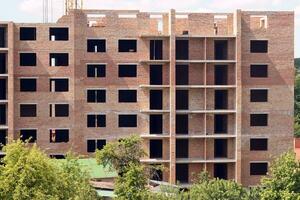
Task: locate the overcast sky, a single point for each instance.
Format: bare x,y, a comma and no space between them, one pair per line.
31,10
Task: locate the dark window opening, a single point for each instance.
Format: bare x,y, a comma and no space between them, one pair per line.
220,171
127,96
221,74
182,148
156,174
221,99
127,70
156,124
59,34
3,67
156,75
3,114
96,45
59,85
97,120
221,49
27,59
27,33
28,85
27,110
3,34
258,119
59,59
3,138
182,173
258,168
60,110
3,88
259,71
127,121
221,123
156,49
182,99
28,135
182,74
259,46
259,95
93,145
57,156
220,148
59,136
182,49
127,45
156,148
156,99
96,70
96,96
182,124
259,144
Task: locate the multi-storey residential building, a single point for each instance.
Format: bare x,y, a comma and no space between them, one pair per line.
207,91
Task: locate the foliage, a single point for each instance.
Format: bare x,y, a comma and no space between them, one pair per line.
297,99
283,181
28,174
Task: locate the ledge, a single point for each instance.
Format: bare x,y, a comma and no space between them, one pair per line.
205,86
154,111
204,111
154,61
155,86
153,160
206,61
164,135
205,36
202,160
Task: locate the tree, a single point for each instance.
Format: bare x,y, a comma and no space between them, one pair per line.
29,174
283,180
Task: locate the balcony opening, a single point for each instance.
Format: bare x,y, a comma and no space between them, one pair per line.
3,119
182,173
259,46
182,74
3,88
182,99
59,135
156,99
258,119
220,148
127,96
96,120
221,49
182,148
156,148
259,71
182,49
221,124
3,64
127,121
127,70
258,144
93,145
96,96
127,45
59,34
182,124
59,59
96,70
156,49
57,156
156,174
96,45
27,110
59,85
29,135
221,74
59,110
27,33
156,75
28,59
259,95
3,35
221,171
28,85
259,168
156,124
221,99
3,138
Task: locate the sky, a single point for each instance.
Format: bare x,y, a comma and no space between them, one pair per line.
31,10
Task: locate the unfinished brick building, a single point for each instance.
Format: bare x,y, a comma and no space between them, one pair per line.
207,91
